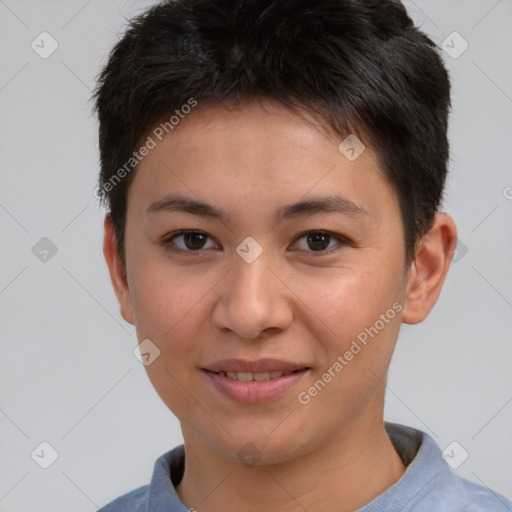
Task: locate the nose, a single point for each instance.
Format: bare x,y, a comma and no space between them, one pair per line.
254,301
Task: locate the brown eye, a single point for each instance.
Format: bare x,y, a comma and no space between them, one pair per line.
194,240
321,242
318,241
187,241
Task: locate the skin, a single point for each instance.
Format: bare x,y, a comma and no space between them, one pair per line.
333,453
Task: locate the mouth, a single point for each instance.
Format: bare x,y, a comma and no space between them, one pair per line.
257,376
251,388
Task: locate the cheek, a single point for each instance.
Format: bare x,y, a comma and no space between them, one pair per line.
357,307
163,297
346,302
166,311
171,309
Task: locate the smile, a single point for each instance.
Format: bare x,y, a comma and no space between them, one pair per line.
247,376
254,387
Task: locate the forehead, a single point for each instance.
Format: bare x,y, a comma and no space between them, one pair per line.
261,153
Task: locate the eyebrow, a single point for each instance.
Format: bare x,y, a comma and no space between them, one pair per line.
327,204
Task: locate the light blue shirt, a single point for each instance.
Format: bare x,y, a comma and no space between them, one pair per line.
428,484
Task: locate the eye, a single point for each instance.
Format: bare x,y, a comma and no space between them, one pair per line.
319,241
191,241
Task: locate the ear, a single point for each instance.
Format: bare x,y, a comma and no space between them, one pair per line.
115,267
429,268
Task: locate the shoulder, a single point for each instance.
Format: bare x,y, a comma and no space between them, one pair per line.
160,494
429,483
477,498
449,492
133,501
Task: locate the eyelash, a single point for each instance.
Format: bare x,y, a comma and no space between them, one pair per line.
314,254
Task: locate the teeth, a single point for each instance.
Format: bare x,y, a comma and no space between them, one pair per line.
261,376
248,376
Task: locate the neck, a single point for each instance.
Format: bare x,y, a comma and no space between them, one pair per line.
343,474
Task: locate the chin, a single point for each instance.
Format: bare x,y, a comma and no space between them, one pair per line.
262,448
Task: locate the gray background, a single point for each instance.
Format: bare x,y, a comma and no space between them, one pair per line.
67,372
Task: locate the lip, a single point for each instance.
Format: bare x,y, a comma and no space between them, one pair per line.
259,366
255,392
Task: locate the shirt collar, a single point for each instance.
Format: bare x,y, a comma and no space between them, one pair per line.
424,462
167,473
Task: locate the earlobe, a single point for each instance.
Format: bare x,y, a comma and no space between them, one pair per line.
117,275
429,269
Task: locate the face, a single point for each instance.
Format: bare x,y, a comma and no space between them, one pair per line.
256,280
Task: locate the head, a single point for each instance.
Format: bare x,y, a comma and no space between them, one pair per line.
243,109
